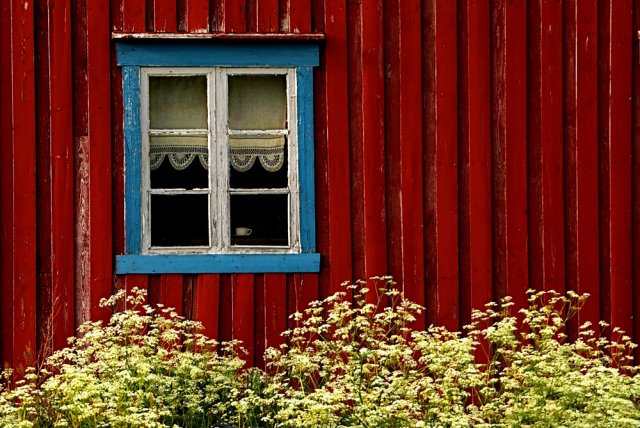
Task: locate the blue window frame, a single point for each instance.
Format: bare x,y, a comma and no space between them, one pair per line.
139,58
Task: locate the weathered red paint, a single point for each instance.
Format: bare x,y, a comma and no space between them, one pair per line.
615,163
472,149
509,150
581,153
441,172
544,155
18,178
55,175
474,154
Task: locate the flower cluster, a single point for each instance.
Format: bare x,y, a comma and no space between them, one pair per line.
352,360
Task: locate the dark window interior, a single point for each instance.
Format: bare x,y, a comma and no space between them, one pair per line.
192,177
265,215
179,220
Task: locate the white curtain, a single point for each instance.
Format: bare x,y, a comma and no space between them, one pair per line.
256,102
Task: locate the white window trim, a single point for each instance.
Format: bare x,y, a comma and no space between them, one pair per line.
218,141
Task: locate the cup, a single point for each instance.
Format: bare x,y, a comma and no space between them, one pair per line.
242,231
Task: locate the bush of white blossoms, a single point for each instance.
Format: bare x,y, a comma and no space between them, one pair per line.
353,360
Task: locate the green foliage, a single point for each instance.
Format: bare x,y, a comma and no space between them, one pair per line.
147,368
353,360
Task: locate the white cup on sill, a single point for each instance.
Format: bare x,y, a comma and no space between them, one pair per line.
242,231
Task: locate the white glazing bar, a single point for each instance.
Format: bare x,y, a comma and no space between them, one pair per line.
178,132
252,133
261,191
178,191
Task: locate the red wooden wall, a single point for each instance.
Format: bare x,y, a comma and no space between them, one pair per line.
471,149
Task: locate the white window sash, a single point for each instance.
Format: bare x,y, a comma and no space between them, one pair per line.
218,143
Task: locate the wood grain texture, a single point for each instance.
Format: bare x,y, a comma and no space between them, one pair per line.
615,35
195,16
581,153
337,131
373,141
544,156
441,187
242,313
274,292
635,218
299,15
411,153
165,16
18,177
509,151
98,246
133,15
475,209
55,177
206,303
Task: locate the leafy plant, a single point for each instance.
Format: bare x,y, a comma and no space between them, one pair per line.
353,359
148,367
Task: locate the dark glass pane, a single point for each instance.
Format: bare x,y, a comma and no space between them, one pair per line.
259,220
257,102
179,220
178,102
257,167
178,162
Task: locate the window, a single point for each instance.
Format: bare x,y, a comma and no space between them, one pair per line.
218,157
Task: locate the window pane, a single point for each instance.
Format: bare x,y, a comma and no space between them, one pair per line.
179,220
178,102
257,102
258,163
259,219
178,162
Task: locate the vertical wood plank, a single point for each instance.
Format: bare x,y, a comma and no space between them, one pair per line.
321,157
133,15
267,17
615,163
55,176
581,153
476,274
392,131
206,303
337,129
195,18
440,194
274,310
234,16
165,16
373,141
169,292
44,295
509,63
81,160
98,249
356,147
411,153
546,214
225,314
117,111
242,314
296,16
635,219
18,178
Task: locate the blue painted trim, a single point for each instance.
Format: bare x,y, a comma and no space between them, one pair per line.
133,159
193,53
218,263
305,159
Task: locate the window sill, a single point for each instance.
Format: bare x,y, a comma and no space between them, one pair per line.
218,263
